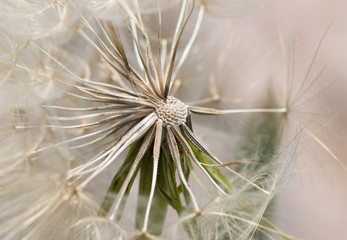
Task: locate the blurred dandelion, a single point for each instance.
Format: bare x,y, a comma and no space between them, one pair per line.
97,138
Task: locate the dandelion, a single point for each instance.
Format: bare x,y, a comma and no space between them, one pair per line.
110,114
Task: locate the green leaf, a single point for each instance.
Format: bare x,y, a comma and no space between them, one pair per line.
213,171
119,179
144,188
167,180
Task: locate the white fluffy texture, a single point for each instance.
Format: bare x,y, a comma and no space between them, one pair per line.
42,58
39,18
96,228
32,71
17,143
231,217
115,9
41,205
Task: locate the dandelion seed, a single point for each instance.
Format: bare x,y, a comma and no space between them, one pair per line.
145,111
129,104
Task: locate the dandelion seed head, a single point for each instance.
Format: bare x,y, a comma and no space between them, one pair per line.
172,111
95,108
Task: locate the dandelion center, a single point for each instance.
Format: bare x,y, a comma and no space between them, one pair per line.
172,111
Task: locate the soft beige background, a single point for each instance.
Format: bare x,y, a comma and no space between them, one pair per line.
313,206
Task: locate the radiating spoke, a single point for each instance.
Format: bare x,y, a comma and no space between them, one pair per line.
212,111
96,123
156,153
192,156
106,107
144,147
129,138
93,115
176,157
198,144
189,45
182,21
